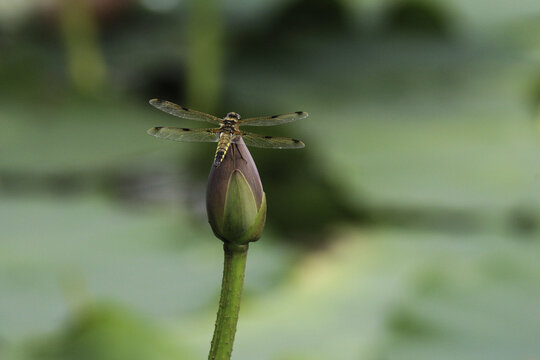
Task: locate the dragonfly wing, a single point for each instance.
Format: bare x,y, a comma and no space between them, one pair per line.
274,119
183,112
183,134
273,142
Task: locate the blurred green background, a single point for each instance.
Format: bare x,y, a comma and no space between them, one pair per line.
408,228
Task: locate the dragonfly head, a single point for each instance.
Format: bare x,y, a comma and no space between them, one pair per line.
233,115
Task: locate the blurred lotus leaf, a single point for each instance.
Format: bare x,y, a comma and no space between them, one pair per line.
108,332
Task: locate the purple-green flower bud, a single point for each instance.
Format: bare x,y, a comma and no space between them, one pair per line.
235,200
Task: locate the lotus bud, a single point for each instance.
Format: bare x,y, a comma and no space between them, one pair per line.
235,200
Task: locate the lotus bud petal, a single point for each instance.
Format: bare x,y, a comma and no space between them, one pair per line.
235,200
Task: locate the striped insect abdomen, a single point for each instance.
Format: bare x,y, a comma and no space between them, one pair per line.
223,145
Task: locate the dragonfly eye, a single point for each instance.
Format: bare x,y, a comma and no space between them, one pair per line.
233,115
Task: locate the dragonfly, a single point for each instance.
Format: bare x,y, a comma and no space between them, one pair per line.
228,131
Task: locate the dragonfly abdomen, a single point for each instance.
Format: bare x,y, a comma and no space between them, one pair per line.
223,145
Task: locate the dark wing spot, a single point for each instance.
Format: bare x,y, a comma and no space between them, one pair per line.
220,153
184,108
157,128
186,129
299,112
296,141
274,116
268,137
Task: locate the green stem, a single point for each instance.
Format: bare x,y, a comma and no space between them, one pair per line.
86,65
205,54
229,303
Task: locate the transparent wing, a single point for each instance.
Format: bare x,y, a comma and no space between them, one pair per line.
183,134
274,119
183,112
273,142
